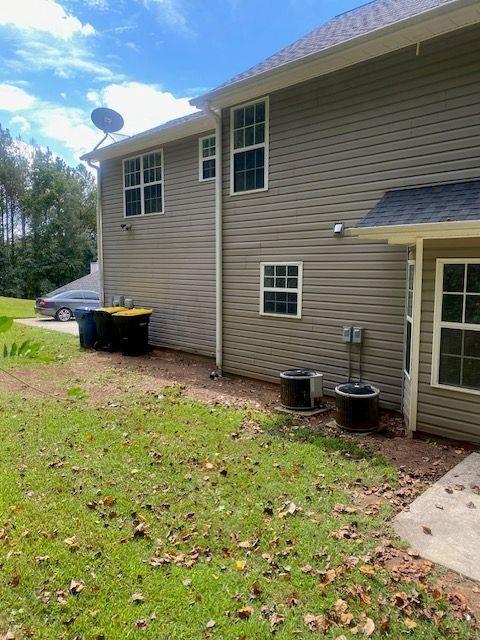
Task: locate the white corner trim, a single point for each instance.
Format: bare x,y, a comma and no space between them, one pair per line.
417,323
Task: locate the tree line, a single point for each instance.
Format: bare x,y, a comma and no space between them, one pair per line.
47,219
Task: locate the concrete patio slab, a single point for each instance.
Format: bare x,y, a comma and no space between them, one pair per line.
50,324
443,524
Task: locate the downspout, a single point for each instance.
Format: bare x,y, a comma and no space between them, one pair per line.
99,228
218,239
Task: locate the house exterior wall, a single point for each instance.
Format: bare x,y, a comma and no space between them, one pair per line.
454,414
167,261
336,145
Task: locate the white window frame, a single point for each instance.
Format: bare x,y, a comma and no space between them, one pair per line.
143,184
409,319
265,145
201,159
439,324
298,290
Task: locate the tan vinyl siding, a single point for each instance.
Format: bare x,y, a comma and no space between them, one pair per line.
166,262
455,414
337,144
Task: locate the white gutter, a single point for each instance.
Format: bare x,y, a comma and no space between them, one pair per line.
99,229
218,238
409,233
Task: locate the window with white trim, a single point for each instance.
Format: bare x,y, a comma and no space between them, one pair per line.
207,158
143,184
249,147
281,289
409,317
457,324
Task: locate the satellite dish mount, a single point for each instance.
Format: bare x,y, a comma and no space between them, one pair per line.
108,121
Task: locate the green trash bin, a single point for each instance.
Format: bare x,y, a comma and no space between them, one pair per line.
132,331
107,337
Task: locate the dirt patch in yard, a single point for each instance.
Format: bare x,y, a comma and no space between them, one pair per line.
106,377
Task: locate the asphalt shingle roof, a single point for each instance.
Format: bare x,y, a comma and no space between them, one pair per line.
360,21
454,202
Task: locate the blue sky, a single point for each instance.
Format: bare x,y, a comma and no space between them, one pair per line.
61,58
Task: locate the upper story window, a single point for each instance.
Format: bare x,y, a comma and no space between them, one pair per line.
456,361
249,147
207,158
281,289
143,184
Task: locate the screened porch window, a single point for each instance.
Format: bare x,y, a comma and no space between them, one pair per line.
458,324
281,289
143,184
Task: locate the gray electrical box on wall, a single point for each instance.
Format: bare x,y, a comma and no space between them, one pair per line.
357,335
347,334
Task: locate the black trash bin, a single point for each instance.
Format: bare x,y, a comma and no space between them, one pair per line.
87,329
132,330
107,338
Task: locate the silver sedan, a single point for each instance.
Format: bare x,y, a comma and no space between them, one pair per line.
62,305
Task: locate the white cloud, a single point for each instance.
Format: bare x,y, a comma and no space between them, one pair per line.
66,60
66,125
45,16
21,122
142,105
14,98
170,12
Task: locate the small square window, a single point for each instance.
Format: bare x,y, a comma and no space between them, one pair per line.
281,294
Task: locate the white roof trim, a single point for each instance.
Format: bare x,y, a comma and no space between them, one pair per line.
409,32
409,233
153,137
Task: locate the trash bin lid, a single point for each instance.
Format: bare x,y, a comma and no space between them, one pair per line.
111,309
357,389
134,312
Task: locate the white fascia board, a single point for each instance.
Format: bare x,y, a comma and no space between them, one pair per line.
409,32
151,138
409,233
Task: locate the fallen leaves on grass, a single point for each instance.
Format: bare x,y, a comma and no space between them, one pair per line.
76,587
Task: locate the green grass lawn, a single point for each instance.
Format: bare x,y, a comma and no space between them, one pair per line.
16,307
57,347
163,518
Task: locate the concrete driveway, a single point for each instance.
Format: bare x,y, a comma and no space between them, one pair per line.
443,524
50,324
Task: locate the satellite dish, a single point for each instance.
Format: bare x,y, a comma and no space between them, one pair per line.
107,120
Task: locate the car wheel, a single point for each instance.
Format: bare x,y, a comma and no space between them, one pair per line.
64,315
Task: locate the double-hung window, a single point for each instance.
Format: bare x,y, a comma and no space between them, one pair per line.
456,358
207,158
143,184
281,289
409,317
249,147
